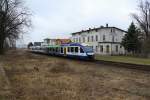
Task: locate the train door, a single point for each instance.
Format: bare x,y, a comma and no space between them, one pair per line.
65,51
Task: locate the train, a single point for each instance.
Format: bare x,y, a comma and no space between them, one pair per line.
70,50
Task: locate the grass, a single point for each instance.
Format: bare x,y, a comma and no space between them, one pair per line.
125,59
39,77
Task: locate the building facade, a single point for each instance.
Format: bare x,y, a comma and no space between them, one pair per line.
104,40
48,41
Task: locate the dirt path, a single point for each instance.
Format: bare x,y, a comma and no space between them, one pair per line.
39,77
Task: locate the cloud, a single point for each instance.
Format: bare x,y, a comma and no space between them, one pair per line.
59,18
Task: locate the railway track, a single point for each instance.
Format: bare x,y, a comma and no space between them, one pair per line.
124,65
110,63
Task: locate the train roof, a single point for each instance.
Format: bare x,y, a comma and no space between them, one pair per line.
68,44
72,44
53,46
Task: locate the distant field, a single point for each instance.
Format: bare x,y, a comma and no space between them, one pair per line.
125,59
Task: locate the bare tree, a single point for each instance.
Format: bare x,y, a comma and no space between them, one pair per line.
14,17
143,19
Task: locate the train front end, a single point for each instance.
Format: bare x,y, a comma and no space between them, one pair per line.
89,51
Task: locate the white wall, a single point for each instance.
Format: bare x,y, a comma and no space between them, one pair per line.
109,34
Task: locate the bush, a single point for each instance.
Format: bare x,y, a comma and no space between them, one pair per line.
146,48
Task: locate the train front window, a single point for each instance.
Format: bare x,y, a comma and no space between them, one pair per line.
81,50
88,48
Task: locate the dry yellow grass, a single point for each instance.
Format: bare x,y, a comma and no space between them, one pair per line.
40,77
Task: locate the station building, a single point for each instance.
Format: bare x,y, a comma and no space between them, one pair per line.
104,40
48,41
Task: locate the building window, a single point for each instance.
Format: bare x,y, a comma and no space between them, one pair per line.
96,48
116,48
113,39
76,39
104,38
101,48
96,38
79,39
107,49
114,30
83,39
88,39
92,39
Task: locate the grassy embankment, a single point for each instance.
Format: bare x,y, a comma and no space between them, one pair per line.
125,59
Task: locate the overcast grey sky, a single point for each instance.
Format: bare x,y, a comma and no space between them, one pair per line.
59,18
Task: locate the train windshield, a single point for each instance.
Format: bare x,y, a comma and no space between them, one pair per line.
88,49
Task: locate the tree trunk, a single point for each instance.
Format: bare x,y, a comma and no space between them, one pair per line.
1,48
1,45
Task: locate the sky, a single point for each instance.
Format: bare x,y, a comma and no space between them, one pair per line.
60,18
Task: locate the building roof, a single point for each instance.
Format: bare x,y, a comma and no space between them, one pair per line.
102,27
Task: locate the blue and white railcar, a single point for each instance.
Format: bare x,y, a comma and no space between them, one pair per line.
38,49
76,50
72,50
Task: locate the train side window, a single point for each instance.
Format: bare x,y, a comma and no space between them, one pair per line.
61,49
68,49
72,49
56,49
76,49
81,50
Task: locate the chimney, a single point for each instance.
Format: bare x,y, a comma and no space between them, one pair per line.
101,26
107,25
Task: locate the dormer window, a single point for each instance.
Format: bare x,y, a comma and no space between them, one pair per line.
112,30
96,30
